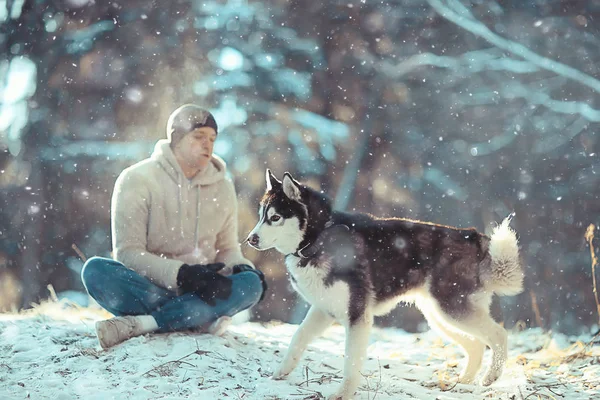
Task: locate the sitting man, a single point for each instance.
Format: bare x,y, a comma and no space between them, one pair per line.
178,263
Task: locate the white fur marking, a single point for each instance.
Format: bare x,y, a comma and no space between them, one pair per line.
310,283
284,234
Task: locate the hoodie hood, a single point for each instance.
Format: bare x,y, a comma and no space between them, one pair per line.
214,171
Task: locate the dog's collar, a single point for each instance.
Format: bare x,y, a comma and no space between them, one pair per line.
312,249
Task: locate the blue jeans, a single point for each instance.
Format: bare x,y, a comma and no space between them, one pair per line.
122,291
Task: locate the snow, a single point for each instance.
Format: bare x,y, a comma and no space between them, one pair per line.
52,353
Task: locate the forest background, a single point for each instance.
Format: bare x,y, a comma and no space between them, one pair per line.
456,112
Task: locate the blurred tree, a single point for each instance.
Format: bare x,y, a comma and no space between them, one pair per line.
452,111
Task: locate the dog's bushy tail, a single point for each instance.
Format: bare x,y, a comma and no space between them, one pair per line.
507,274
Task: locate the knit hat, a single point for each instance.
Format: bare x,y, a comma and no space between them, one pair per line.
186,119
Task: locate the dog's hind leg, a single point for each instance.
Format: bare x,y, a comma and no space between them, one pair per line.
314,325
479,324
472,347
357,341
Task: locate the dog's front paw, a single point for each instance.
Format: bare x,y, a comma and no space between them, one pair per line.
339,396
344,393
281,373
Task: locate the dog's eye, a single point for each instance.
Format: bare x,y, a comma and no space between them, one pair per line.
275,218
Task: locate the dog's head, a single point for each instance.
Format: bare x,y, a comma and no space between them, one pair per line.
289,216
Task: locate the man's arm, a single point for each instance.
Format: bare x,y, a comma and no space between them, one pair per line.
228,245
129,223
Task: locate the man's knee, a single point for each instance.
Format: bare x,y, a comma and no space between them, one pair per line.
252,286
94,270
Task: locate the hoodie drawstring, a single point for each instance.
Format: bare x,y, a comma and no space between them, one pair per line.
180,207
197,234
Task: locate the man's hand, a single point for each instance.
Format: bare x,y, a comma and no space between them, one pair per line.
205,281
246,268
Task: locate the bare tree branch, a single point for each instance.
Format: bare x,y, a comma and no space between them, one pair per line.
540,98
549,143
518,49
472,62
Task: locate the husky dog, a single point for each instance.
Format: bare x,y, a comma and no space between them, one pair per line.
352,267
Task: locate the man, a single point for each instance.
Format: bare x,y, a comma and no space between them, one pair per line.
178,263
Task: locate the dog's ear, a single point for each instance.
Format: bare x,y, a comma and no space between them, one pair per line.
291,187
271,180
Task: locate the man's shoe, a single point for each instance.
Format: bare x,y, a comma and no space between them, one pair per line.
117,330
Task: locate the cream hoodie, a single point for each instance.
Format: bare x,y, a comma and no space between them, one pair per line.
161,220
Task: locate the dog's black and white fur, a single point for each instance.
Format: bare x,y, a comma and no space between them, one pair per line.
352,267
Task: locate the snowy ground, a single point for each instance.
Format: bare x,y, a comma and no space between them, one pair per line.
52,353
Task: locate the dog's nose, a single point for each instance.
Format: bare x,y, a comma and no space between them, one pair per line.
253,239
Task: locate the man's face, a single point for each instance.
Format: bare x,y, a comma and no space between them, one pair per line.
195,149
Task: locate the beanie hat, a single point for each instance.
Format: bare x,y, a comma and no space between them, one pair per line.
186,119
